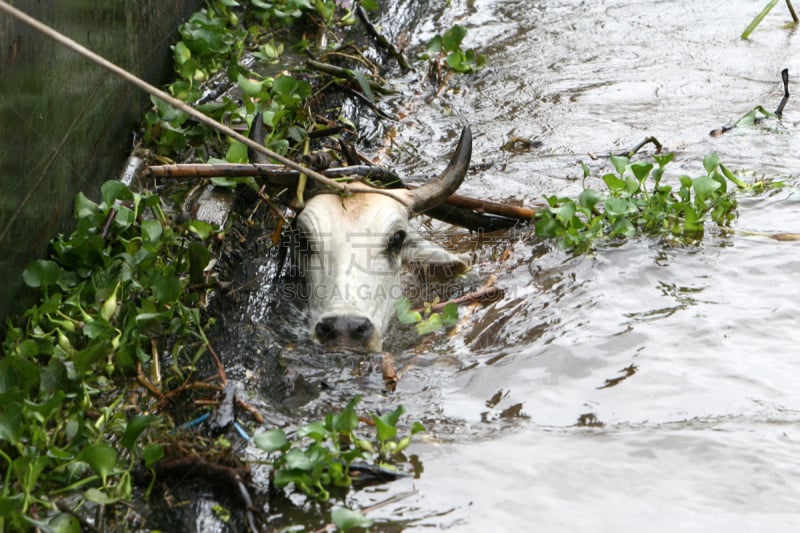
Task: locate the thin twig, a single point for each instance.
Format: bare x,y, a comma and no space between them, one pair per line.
220,368
347,74
389,373
487,294
372,30
647,140
258,417
143,381
785,79
792,11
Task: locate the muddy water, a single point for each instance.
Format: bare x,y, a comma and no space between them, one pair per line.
647,386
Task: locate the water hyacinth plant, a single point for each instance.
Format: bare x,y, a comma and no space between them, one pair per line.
638,201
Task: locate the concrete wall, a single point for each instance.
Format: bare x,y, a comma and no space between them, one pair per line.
66,125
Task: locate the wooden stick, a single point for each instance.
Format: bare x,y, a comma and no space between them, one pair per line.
283,175
487,294
390,378
485,206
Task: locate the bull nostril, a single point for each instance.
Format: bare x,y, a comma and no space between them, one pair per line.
360,329
326,329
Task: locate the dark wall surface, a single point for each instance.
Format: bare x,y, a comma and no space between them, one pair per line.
66,125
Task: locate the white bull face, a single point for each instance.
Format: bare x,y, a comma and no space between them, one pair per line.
351,252
352,249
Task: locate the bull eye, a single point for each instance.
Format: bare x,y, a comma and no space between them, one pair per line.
396,241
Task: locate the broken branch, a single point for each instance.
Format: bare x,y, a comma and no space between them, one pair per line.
372,30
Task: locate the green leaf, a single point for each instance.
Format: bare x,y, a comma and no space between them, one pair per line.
565,212
84,207
250,87
386,424
451,40
641,169
614,183
546,227
711,163
623,226
728,174
167,289
458,62
314,430
272,440
181,53
102,458
585,168
237,153
345,519
151,230
363,82
98,496
620,163
11,505
284,85
41,273
201,228
97,329
92,354
432,324
615,207
65,523
589,198
663,159
152,454
450,315
135,427
113,190
748,119
124,218
347,420
11,416
404,313
631,185
704,186
435,44
199,257
296,459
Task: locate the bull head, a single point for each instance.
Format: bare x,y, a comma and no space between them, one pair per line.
351,251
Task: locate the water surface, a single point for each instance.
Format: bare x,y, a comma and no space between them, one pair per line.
648,386
659,384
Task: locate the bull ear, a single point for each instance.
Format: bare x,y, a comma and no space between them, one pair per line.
437,191
257,135
430,259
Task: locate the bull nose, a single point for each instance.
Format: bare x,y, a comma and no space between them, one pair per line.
345,329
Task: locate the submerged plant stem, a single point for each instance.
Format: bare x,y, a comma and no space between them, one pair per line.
756,21
792,11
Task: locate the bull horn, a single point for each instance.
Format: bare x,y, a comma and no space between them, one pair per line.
257,135
437,191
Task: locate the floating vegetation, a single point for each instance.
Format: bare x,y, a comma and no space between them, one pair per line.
638,201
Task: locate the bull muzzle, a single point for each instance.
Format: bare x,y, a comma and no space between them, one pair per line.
351,331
